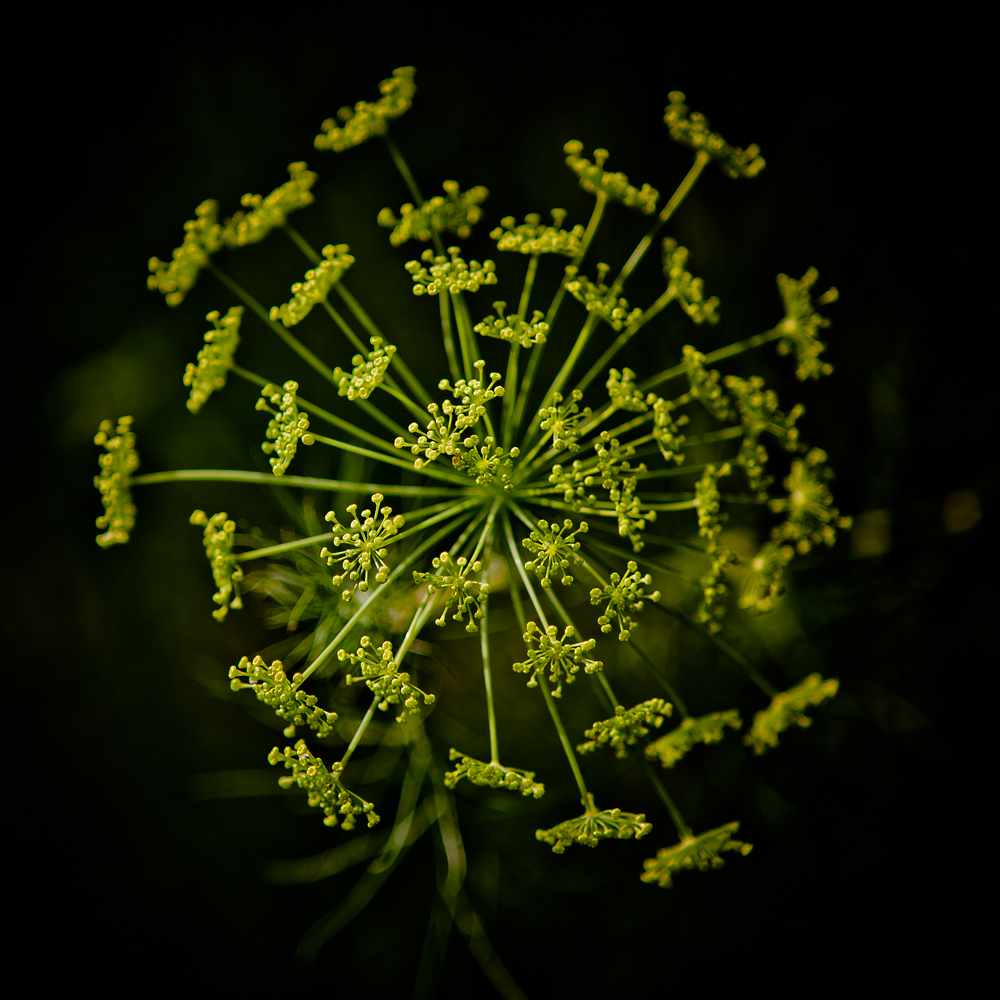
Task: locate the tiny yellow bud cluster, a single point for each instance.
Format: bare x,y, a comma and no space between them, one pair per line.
702,852
384,679
811,516
533,238
623,597
763,585
666,428
367,374
456,213
451,578
691,129
362,546
287,426
705,384
323,786
672,746
202,238
492,776
267,213
454,275
215,358
626,727
316,285
596,180
624,393
801,323
594,296
368,119
514,329
788,709
486,460
563,420
450,420
561,657
271,686
687,290
118,462
555,549
594,826
758,411
227,573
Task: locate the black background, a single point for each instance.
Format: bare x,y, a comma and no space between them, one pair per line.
878,173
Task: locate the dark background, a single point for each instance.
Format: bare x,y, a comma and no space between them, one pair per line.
877,174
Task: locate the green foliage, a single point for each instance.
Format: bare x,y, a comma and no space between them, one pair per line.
286,427
227,573
316,285
702,852
596,180
456,213
385,680
666,430
291,704
672,746
626,727
691,128
594,826
215,358
362,546
119,461
323,786
492,776
533,238
787,709
368,119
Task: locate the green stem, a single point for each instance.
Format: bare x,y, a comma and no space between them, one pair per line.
428,470
700,161
466,339
529,283
403,167
661,677
723,647
331,418
269,479
624,337
484,646
683,830
550,317
542,682
359,732
723,352
293,342
449,336
360,315
404,565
